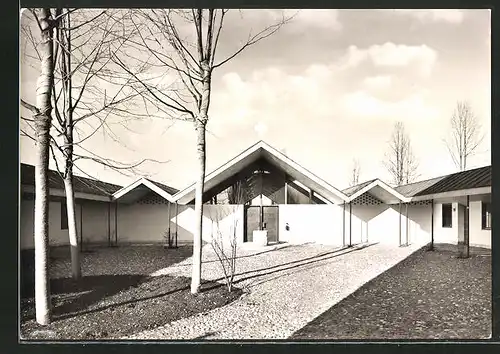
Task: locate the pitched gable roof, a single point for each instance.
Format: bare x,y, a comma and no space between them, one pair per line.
254,152
378,189
412,189
353,189
470,179
80,184
144,183
168,189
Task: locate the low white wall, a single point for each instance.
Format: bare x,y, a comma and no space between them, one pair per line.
143,223
148,223
223,222
380,224
318,223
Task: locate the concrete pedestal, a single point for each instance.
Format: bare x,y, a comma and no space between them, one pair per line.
260,237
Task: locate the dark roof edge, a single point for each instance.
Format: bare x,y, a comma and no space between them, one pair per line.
88,179
442,176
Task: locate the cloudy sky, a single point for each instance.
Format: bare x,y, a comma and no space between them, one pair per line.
328,89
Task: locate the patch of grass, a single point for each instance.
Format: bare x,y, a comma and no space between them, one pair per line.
113,306
429,295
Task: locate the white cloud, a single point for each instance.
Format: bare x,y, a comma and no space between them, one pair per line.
437,15
392,55
322,18
271,94
362,104
317,17
378,82
261,129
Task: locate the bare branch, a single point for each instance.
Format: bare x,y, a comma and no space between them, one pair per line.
265,33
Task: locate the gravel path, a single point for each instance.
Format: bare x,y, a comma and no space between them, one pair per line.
285,289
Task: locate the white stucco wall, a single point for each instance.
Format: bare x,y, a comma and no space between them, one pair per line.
419,225
223,222
95,223
148,223
478,236
380,223
143,223
445,234
318,223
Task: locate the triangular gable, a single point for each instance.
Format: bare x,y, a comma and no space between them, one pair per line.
256,151
383,186
144,182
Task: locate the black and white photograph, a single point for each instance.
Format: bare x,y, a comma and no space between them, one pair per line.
208,175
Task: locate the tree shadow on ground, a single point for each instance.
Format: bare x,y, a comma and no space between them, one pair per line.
102,260
208,285
257,253
298,263
302,267
96,289
205,335
153,302
71,296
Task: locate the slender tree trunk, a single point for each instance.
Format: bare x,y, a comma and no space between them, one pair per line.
76,271
42,125
65,56
200,127
198,209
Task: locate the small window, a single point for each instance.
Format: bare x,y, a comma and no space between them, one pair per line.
64,216
486,215
446,215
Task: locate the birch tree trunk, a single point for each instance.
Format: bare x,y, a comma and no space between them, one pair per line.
198,209
42,126
65,56
76,271
200,126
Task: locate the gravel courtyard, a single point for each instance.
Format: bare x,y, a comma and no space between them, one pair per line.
430,295
285,289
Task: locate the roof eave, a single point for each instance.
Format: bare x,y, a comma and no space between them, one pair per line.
186,195
381,184
145,182
453,194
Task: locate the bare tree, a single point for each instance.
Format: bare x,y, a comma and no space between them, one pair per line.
42,117
80,68
356,168
166,38
225,241
465,135
400,160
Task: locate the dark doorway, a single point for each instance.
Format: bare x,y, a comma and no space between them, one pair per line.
270,220
252,222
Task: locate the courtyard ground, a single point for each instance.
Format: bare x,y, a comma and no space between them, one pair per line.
284,289
430,295
116,296
143,292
